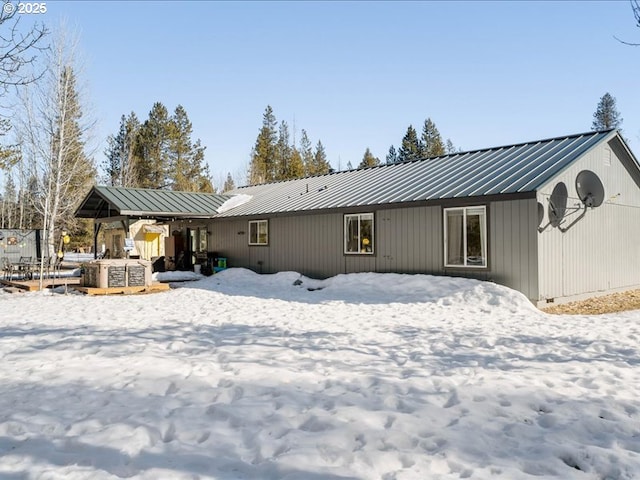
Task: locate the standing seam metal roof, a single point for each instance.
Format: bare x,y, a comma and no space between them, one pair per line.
148,202
509,169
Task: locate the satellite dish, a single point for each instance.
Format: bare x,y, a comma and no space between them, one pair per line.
540,213
558,204
590,189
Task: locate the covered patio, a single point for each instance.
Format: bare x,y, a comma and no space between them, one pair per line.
184,213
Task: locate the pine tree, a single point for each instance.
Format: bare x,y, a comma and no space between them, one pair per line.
263,156
186,169
368,160
320,163
9,204
450,148
73,164
295,167
283,153
120,163
392,156
606,115
202,174
306,152
432,144
411,147
158,154
349,165
229,184
151,149
180,174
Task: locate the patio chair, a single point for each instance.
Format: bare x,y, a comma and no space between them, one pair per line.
8,269
25,268
4,264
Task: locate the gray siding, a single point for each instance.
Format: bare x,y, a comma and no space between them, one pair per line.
410,240
407,240
599,252
229,238
309,244
26,245
513,245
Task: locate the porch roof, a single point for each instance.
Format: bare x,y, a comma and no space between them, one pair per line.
106,202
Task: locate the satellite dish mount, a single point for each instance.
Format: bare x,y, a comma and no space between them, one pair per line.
590,192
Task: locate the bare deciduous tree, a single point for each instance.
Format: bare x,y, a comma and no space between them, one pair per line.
635,7
53,132
18,51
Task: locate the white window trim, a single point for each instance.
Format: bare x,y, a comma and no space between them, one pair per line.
464,236
258,222
345,240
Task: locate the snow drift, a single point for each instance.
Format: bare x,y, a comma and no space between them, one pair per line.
360,376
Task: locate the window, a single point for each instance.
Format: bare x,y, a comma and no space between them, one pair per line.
465,237
358,233
258,232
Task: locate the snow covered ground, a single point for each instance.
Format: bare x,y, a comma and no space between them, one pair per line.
361,376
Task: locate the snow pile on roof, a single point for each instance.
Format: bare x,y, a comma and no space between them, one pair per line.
360,376
234,202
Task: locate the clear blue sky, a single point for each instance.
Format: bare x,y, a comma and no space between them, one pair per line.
356,74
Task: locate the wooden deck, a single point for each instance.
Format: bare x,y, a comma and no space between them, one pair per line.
155,287
74,282
34,285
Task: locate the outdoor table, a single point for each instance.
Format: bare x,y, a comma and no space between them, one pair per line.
26,269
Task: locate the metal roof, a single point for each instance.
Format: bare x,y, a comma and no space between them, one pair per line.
104,202
510,169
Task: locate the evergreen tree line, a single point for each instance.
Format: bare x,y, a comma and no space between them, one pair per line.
429,144
412,147
276,157
157,154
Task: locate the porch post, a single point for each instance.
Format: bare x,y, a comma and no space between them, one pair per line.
96,231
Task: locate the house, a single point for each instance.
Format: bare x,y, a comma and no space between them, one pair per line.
556,219
510,214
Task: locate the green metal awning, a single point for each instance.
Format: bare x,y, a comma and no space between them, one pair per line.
108,202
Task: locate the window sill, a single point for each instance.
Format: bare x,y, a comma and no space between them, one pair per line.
466,267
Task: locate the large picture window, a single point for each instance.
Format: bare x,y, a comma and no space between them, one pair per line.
258,232
465,237
358,233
